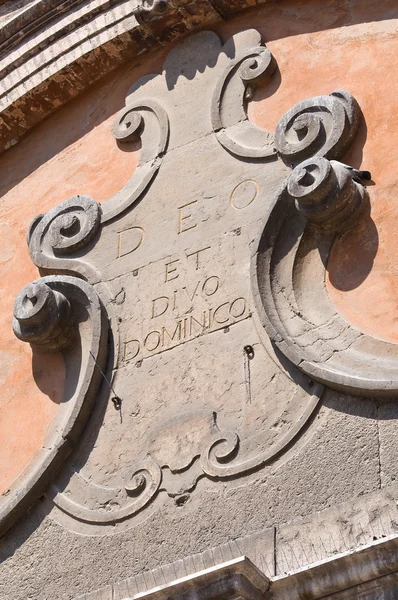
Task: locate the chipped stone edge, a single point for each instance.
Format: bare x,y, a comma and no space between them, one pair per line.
238,577
212,580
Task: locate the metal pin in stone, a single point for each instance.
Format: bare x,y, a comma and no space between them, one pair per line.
249,350
117,401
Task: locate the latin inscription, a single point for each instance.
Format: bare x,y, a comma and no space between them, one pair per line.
184,310
172,332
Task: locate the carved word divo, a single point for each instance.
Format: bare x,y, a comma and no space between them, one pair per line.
190,263
175,319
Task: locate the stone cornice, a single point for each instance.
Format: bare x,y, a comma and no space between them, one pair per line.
340,552
348,575
52,50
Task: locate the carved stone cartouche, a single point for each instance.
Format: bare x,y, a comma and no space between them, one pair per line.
141,252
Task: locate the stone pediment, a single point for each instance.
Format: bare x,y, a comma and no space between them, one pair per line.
196,294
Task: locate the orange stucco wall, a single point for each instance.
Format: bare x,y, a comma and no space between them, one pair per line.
319,47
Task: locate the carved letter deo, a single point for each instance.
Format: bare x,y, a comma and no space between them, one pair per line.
244,194
129,240
185,215
131,349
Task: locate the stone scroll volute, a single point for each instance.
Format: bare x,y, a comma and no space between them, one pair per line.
218,351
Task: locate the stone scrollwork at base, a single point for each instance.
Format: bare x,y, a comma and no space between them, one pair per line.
166,261
221,459
141,486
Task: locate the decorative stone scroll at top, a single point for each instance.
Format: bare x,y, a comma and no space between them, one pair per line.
218,366
253,68
322,126
148,121
63,231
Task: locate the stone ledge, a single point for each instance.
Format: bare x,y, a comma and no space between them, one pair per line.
353,572
349,575
237,578
340,552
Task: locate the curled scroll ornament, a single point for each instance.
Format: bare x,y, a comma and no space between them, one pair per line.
56,237
221,458
65,230
321,126
146,120
141,486
320,199
234,132
47,314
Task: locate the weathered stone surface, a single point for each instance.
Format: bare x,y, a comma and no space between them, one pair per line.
202,423
345,547
369,573
387,420
343,529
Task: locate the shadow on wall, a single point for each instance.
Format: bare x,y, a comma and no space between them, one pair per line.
58,133
352,255
23,528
